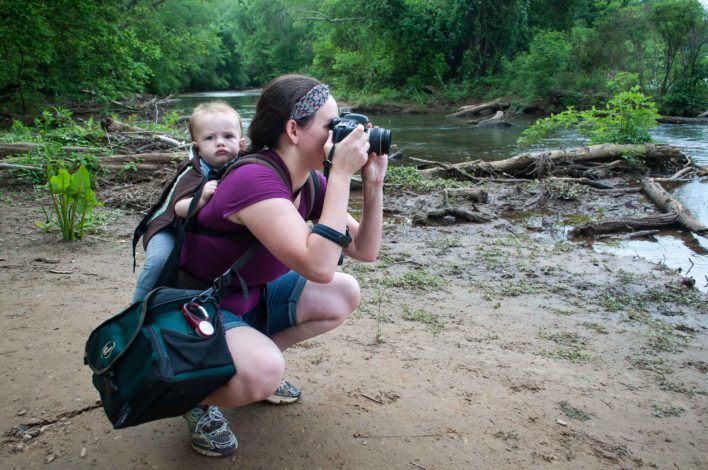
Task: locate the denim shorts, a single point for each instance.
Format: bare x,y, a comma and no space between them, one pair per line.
276,310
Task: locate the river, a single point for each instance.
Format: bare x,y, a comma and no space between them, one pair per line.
435,137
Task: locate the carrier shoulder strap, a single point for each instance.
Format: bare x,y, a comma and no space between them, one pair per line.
183,168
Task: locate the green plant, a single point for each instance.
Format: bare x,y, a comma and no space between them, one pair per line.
572,412
625,119
422,316
73,201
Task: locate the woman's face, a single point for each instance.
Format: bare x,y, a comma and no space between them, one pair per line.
315,135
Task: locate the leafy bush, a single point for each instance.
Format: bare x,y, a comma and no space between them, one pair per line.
625,119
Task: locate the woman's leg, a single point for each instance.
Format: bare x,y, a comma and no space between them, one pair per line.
259,368
321,308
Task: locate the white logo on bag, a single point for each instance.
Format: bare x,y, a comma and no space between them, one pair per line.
108,349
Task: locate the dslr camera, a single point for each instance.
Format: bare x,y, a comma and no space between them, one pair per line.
379,139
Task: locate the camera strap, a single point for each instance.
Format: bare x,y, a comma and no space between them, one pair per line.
327,163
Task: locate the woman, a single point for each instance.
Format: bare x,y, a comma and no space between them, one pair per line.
294,289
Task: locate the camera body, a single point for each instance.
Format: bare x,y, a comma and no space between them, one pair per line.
379,139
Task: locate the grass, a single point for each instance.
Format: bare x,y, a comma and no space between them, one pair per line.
422,316
661,412
565,339
596,327
574,356
572,412
418,279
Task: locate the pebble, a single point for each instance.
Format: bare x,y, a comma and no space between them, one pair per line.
561,422
22,412
83,452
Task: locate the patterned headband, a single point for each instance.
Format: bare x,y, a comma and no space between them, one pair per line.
310,102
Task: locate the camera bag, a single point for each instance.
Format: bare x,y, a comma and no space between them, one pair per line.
150,363
163,355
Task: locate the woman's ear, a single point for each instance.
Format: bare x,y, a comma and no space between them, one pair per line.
292,131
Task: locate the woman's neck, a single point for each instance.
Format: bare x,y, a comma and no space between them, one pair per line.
294,163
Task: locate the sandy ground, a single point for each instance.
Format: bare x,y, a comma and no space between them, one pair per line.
476,346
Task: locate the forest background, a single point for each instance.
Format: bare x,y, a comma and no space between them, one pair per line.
543,54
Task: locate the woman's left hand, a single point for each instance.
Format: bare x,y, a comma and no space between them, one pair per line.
375,169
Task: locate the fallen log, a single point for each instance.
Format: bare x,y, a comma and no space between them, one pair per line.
159,158
498,120
476,108
114,126
703,115
683,120
448,216
471,194
668,204
538,164
27,147
629,224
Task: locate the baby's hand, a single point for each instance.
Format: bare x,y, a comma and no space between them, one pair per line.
209,189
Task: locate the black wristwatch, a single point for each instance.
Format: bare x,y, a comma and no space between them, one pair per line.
341,239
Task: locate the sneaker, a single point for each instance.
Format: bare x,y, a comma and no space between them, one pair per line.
210,432
285,394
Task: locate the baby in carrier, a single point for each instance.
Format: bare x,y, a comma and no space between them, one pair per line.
217,137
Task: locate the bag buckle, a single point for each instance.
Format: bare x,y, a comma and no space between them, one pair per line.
198,318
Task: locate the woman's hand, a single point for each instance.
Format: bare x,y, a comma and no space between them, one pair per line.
351,154
375,169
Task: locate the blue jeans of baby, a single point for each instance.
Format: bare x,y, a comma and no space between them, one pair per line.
158,250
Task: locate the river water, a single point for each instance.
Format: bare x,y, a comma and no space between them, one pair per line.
453,140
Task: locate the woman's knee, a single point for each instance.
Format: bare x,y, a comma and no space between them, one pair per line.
351,291
259,378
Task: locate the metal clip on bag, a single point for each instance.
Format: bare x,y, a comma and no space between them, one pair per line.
157,358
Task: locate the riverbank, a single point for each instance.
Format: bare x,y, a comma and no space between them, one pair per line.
475,346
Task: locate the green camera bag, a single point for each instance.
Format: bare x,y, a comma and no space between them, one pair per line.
149,363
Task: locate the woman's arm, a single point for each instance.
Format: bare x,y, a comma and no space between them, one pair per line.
366,235
280,228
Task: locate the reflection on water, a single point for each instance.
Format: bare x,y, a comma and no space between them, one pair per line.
453,140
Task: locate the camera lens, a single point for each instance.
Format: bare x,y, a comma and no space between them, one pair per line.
379,140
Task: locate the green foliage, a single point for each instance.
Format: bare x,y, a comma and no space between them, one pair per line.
408,178
73,201
626,119
551,53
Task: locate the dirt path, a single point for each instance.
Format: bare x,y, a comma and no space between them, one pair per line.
476,346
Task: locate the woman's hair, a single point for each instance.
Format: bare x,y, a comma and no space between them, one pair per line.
274,108
212,107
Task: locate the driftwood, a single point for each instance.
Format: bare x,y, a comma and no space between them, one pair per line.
113,126
668,204
540,163
27,147
450,215
703,115
498,120
683,120
476,108
625,224
471,194
147,161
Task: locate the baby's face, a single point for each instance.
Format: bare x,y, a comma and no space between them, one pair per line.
217,137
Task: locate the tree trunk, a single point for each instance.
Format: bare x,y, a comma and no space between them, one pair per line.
625,225
476,108
534,163
668,204
683,120
27,147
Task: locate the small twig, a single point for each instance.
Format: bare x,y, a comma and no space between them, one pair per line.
608,404
689,269
372,399
416,465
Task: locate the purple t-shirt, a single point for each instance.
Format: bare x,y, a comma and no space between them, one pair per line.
208,257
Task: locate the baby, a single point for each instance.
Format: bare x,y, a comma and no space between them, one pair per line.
217,137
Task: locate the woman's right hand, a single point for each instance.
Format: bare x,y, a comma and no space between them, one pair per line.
351,154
